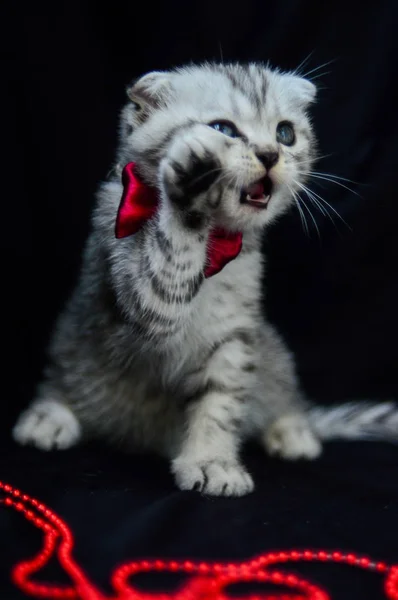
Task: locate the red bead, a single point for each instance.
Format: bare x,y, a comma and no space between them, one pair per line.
337,556
351,559
282,556
270,558
364,562
203,568
254,564
277,577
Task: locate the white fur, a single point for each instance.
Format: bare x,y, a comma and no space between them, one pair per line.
291,438
49,425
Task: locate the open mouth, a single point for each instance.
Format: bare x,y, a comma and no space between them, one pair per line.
257,194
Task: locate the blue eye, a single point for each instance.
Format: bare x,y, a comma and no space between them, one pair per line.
285,133
226,128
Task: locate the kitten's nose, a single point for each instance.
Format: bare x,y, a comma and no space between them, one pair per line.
268,159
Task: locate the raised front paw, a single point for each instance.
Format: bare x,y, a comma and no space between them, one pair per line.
215,478
192,167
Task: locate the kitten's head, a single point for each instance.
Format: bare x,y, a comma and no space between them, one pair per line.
262,114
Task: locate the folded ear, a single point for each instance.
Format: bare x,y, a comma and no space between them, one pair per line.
151,91
303,90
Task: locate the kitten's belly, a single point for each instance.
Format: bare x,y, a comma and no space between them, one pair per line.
144,406
227,303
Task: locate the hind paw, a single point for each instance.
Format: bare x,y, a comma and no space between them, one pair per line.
290,437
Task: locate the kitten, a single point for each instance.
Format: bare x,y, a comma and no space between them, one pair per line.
151,354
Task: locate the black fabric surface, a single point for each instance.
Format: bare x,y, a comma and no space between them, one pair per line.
334,296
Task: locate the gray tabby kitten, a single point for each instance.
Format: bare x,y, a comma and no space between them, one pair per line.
149,353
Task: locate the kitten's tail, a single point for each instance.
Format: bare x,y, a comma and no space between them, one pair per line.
356,421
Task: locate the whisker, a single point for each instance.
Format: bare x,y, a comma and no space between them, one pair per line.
319,75
307,190
320,67
337,183
301,213
232,179
332,179
320,174
319,206
313,198
302,216
221,52
303,62
206,174
310,160
312,216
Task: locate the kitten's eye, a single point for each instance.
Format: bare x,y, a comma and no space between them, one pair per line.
225,127
285,133
137,107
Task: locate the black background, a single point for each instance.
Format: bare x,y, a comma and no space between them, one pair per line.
334,295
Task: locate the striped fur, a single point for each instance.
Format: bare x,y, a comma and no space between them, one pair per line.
147,353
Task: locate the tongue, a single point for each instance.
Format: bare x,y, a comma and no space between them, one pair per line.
256,191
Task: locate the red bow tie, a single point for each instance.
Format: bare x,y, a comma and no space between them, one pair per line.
139,203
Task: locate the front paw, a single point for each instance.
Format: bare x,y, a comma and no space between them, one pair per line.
48,425
212,477
191,169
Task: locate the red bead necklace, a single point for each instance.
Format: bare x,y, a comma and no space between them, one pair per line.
208,581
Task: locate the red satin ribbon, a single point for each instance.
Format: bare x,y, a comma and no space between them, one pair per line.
140,202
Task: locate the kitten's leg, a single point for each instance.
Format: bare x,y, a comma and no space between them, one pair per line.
47,424
287,432
208,460
158,273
